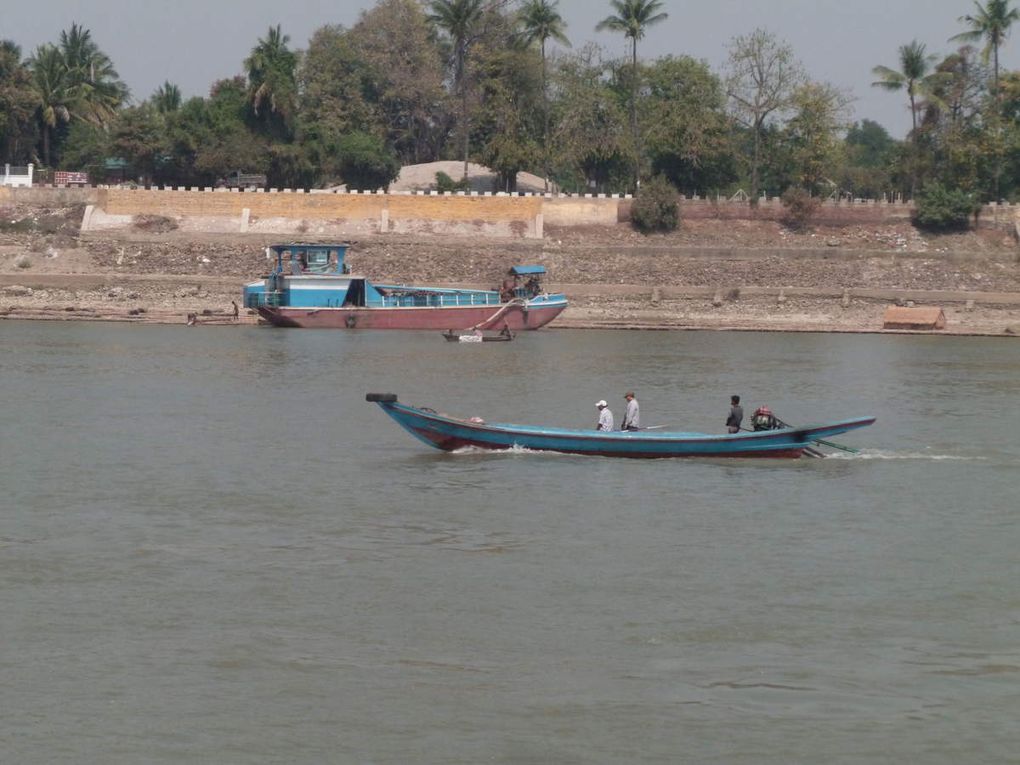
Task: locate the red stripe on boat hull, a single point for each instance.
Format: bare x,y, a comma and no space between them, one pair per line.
452,443
409,318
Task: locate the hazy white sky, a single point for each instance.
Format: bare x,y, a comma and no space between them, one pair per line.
195,42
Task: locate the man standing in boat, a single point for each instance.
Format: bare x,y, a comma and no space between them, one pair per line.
605,417
632,417
736,415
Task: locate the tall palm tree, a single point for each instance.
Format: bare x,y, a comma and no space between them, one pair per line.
272,87
459,19
167,98
57,96
90,72
916,74
990,23
918,77
632,18
541,21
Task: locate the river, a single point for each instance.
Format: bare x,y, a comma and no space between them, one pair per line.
212,549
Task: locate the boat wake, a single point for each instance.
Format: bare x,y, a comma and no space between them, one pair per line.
474,450
877,454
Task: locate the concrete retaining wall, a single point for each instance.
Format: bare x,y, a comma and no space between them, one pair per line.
524,216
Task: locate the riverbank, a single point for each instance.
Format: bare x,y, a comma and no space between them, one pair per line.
711,274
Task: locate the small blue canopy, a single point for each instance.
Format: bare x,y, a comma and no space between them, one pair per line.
525,270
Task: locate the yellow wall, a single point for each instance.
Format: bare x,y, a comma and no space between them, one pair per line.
319,206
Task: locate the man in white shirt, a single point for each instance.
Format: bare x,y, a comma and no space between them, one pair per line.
632,417
605,417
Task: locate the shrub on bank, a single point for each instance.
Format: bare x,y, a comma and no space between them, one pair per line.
444,183
656,207
942,209
799,207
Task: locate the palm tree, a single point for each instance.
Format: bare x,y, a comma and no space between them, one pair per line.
91,73
632,18
167,98
459,19
991,23
916,75
52,85
541,21
271,84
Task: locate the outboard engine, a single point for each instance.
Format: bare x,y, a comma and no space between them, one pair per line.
763,419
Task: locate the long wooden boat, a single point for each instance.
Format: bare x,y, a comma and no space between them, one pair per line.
312,286
450,433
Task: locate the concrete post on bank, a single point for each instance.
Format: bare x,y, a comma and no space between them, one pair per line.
245,218
384,220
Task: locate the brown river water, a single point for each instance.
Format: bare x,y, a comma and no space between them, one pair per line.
213,550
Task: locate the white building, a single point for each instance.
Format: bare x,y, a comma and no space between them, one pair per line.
16,176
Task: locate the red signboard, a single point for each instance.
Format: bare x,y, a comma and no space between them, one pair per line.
65,178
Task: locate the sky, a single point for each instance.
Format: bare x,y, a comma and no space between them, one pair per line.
193,43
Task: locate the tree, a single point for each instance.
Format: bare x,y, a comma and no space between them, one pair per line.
591,139
215,131
762,78
90,73
366,163
632,18
167,98
54,92
870,153
337,96
541,21
459,19
656,207
272,88
139,138
402,76
915,75
17,104
684,124
820,115
990,23
509,114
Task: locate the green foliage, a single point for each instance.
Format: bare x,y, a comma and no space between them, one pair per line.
656,207
942,209
366,162
405,91
799,207
272,88
18,104
590,138
444,183
86,149
686,132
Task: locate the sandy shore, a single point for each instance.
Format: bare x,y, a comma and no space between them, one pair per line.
709,275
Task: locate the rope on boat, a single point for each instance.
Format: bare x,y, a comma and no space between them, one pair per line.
515,303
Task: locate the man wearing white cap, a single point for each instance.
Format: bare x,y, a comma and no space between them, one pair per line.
605,416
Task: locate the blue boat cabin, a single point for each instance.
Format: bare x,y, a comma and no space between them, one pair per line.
317,276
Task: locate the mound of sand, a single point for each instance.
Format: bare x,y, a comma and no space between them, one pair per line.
423,177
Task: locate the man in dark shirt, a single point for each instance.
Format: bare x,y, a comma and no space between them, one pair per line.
736,415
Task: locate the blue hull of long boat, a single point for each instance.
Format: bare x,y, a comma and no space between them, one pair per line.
449,433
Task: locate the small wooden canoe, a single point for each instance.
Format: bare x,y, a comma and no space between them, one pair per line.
456,337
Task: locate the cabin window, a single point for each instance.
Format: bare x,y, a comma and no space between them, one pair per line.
318,261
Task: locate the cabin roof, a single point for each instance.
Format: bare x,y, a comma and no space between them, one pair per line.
525,270
304,247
